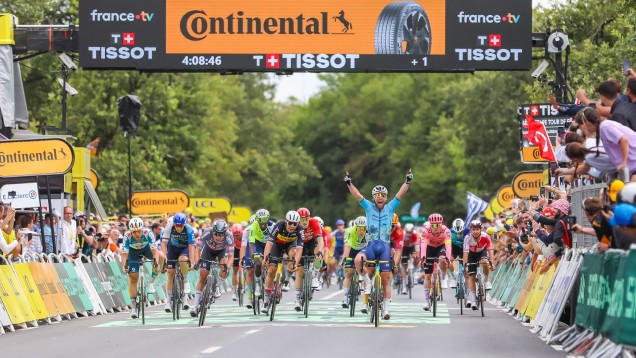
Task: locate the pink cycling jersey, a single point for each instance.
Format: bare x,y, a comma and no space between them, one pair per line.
429,239
477,245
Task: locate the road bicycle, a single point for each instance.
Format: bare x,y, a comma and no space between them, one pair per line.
436,288
460,289
141,300
479,283
354,293
376,298
307,292
241,286
409,275
257,295
277,292
177,290
211,283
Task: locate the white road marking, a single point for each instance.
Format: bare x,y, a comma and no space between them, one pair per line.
339,292
252,331
211,349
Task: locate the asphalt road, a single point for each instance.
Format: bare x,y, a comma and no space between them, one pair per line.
234,331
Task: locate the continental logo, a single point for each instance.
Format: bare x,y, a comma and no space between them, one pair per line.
142,202
527,183
505,196
44,156
157,202
196,25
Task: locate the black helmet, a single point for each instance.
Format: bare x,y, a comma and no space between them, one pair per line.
219,227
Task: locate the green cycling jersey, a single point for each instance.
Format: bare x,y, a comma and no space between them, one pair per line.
353,240
457,240
256,234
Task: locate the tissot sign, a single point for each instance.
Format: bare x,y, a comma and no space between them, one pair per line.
307,36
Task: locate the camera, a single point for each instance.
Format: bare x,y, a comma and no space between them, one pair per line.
529,227
534,198
67,61
557,42
571,220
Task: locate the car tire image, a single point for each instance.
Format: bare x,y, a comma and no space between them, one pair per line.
403,29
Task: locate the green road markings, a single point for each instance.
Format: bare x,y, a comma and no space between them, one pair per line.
320,312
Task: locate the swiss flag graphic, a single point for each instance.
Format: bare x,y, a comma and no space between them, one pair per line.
272,61
534,111
538,136
128,38
494,40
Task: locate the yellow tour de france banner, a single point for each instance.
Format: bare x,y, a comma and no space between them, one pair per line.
239,214
31,290
35,157
488,214
505,196
526,184
13,297
159,201
206,206
495,206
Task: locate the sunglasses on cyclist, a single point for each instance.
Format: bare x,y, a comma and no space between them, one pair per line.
379,195
262,220
435,226
291,223
178,225
218,234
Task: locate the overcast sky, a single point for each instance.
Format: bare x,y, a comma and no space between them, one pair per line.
304,85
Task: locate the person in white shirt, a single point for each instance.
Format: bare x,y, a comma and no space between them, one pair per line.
67,232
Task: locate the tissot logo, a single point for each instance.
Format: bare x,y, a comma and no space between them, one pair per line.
487,19
196,25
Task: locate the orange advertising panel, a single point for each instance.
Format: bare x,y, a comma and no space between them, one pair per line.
157,202
525,184
307,26
35,157
505,196
532,155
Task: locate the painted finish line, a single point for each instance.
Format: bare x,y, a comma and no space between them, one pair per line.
320,312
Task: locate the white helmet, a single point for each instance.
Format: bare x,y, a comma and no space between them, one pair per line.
262,214
320,221
292,216
409,227
458,225
351,223
361,221
135,224
379,189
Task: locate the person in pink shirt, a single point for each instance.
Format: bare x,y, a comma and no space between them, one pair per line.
436,243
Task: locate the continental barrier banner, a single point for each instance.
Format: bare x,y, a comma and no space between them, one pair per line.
306,35
607,296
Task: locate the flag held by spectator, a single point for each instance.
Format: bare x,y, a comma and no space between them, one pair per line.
474,206
538,136
415,210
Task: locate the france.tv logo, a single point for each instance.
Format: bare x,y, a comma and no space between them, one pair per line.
487,19
121,16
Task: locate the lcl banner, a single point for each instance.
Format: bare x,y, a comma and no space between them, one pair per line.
306,35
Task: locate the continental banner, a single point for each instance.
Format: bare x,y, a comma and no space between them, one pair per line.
31,290
607,296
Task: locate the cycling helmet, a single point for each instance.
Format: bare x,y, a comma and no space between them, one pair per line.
458,225
361,221
135,224
219,226
320,221
395,220
179,218
262,215
475,224
292,216
340,222
409,227
303,212
237,229
379,190
252,219
351,223
435,218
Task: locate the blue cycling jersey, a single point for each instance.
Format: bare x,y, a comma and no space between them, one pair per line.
179,239
379,221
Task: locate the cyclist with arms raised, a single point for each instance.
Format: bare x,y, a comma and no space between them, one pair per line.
436,243
477,247
139,244
178,242
379,215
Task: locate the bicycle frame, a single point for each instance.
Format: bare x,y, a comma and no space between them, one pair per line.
208,291
277,292
376,299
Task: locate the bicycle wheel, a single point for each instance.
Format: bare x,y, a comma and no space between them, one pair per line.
306,293
353,295
434,295
141,303
409,282
175,297
460,293
481,296
376,304
239,289
273,298
205,299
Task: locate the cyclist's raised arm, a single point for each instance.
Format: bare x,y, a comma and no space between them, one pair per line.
405,187
352,188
